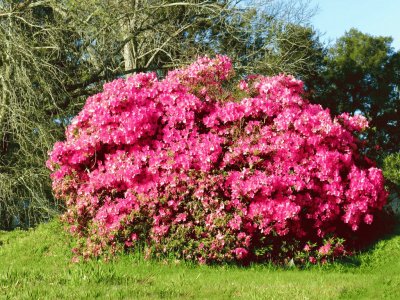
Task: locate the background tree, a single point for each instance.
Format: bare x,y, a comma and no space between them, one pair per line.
362,75
120,37
31,88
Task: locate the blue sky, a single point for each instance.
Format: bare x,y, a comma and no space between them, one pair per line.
376,17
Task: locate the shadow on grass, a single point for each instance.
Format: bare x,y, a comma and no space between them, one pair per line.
386,228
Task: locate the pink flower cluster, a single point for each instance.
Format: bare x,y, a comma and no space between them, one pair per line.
210,170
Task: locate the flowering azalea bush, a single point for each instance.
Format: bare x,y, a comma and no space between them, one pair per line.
206,169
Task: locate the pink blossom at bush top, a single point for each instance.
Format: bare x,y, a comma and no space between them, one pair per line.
210,170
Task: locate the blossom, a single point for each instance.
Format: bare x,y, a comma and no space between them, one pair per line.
368,219
243,85
240,253
324,250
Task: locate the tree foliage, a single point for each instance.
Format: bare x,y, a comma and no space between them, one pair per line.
31,89
362,75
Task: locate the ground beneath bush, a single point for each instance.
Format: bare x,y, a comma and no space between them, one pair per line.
37,264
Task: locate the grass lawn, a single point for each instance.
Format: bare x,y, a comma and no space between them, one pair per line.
36,264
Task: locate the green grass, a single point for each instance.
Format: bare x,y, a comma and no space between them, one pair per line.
36,264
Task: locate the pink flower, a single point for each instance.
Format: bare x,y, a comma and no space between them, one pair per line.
181,217
235,223
368,219
73,228
339,250
243,85
241,235
324,250
240,253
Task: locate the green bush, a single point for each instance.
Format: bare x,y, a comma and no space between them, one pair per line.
391,168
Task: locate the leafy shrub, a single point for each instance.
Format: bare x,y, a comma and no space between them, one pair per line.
391,170
206,169
391,167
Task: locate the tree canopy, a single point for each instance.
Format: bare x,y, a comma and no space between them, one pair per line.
362,75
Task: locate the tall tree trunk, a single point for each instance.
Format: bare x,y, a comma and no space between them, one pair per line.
128,26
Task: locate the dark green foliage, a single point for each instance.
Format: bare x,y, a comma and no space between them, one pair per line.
362,75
